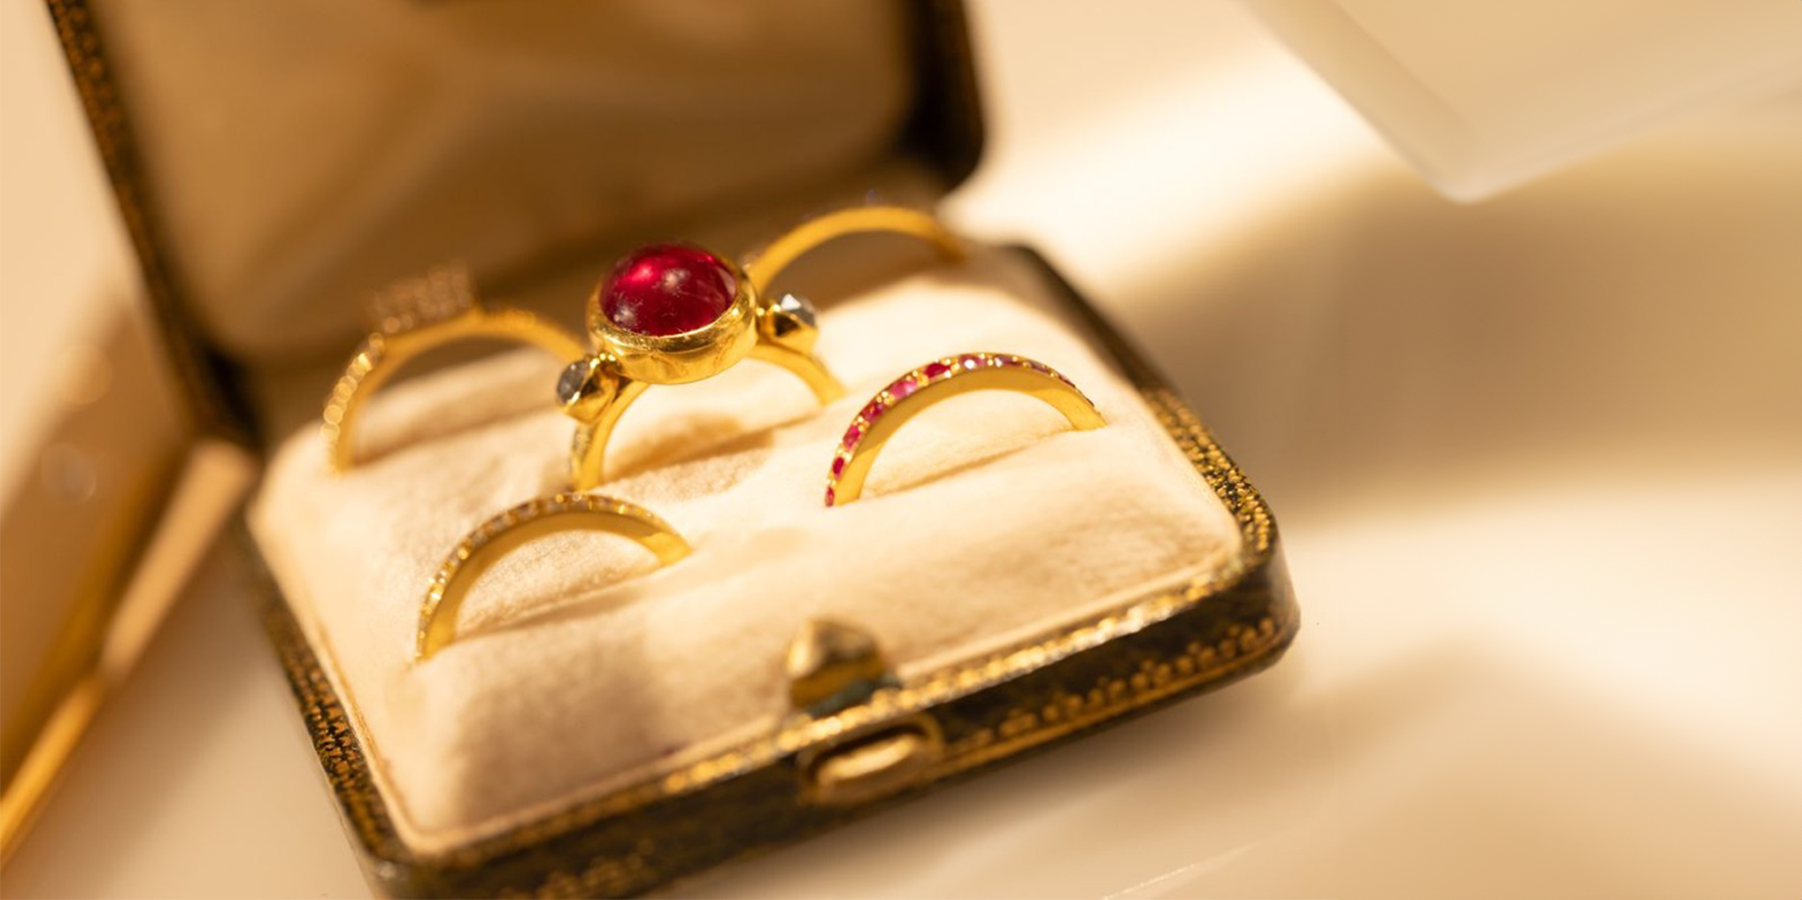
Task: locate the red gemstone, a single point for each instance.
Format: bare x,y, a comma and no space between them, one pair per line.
838,466
903,387
873,410
830,496
937,370
852,434
665,289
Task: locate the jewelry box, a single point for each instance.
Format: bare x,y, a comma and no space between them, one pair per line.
1008,585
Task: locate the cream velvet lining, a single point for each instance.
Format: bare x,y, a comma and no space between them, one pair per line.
582,669
305,152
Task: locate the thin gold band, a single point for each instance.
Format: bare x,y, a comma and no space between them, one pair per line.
804,238
503,534
383,353
936,382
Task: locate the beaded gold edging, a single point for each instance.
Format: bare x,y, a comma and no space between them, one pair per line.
368,355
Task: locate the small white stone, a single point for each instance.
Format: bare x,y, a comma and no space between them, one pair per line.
798,307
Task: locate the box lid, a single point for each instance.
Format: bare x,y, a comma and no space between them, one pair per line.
274,164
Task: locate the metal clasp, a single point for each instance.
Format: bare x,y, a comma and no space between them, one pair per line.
832,666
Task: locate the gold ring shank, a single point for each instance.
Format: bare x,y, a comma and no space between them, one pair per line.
804,238
588,450
501,535
1014,374
382,355
633,362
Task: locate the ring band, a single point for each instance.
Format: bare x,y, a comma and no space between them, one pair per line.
412,317
937,381
676,313
504,533
782,252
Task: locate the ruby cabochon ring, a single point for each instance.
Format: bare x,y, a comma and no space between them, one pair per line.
676,313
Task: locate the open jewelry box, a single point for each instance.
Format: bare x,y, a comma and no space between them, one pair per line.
605,728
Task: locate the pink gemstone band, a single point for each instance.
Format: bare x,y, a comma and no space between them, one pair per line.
939,380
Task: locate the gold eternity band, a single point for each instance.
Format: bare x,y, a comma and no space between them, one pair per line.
677,313
501,535
935,382
411,318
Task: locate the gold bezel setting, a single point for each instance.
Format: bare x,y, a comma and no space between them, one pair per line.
781,330
686,356
596,390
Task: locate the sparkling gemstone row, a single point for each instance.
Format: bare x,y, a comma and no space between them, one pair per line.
903,387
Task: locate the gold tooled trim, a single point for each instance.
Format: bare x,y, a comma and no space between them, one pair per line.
1240,653
1243,650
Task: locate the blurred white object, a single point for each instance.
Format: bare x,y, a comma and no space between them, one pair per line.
1483,96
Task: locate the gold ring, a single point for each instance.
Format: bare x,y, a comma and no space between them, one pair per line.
504,533
412,317
780,253
677,313
937,381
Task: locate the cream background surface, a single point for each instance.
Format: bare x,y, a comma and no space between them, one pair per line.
1536,462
